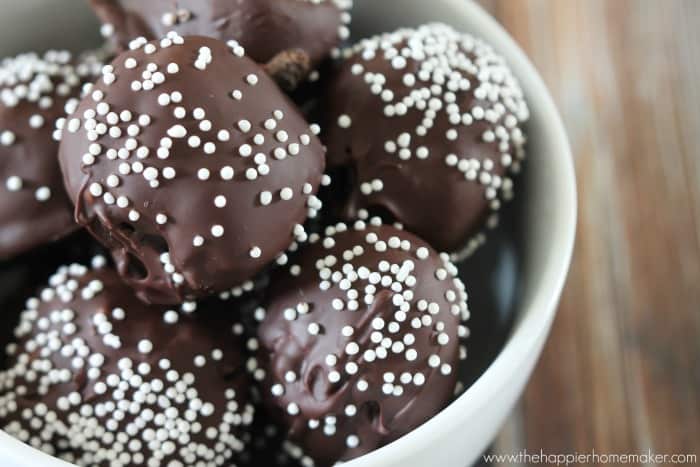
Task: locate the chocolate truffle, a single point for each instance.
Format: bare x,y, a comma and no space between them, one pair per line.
263,27
34,91
429,123
361,341
190,164
98,378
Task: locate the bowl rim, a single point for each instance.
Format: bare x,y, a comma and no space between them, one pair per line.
533,323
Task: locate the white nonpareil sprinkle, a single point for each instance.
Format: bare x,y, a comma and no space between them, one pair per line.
13,183
352,441
265,198
286,193
42,194
177,131
244,126
226,173
145,346
220,201
344,121
203,174
217,231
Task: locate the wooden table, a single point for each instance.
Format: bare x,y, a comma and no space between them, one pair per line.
621,371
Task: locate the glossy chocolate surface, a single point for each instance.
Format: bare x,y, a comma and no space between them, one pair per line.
190,164
362,340
426,123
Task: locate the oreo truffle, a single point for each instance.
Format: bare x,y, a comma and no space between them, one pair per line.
35,90
189,163
264,27
428,122
361,341
98,378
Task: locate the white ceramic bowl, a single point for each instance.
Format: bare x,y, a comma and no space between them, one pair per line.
458,435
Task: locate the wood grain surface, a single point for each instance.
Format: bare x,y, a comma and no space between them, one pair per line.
621,371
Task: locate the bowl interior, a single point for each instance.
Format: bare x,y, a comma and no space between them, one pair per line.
512,281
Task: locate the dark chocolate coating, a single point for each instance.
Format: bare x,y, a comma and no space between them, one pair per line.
217,148
393,362
95,376
263,27
34,93
428,123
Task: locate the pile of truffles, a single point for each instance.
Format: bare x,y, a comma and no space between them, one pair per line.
233,308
